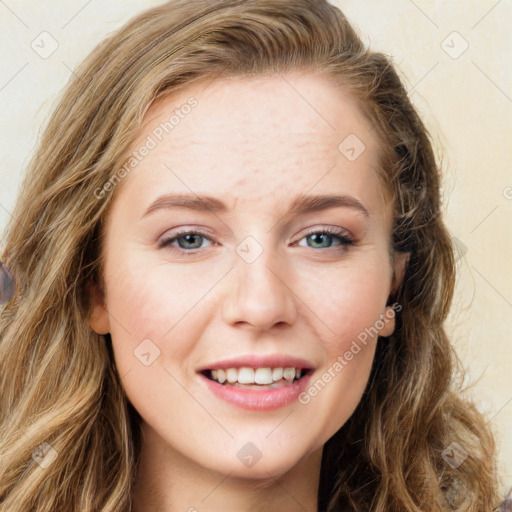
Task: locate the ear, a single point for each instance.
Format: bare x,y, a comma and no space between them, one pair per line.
399,265
388,319
98,317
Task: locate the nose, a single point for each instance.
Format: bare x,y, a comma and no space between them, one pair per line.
259,295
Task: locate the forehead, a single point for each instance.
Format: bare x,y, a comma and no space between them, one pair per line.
252,139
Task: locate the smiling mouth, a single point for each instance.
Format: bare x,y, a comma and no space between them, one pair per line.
256,378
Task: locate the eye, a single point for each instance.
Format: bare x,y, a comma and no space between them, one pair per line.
322,239
186,240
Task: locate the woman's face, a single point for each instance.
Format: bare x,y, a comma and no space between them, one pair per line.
255,279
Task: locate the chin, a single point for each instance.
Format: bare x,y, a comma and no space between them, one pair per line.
269,465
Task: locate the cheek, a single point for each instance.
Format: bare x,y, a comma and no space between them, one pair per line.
350,304
153,335
161,304
346,301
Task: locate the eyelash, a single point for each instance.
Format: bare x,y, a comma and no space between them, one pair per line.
338,233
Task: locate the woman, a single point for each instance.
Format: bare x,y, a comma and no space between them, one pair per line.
232,276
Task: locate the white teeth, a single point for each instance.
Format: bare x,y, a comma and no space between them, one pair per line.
277,374
246,375
231,375
262,376
221,376
289,374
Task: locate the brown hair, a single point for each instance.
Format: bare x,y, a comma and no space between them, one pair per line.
57,381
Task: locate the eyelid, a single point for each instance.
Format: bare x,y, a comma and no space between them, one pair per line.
331,230
185,230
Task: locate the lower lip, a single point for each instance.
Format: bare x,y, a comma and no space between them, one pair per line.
259,399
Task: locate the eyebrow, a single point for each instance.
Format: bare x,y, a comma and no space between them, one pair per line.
300,205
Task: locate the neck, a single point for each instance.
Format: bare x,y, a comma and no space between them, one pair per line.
167,481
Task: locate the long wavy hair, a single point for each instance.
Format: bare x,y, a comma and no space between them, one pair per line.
60,394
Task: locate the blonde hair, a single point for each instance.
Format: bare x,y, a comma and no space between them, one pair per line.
58,384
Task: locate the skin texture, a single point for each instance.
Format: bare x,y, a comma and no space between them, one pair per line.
255,144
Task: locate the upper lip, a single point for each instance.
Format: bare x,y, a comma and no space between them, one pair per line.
260,361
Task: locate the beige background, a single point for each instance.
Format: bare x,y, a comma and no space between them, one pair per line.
463,94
